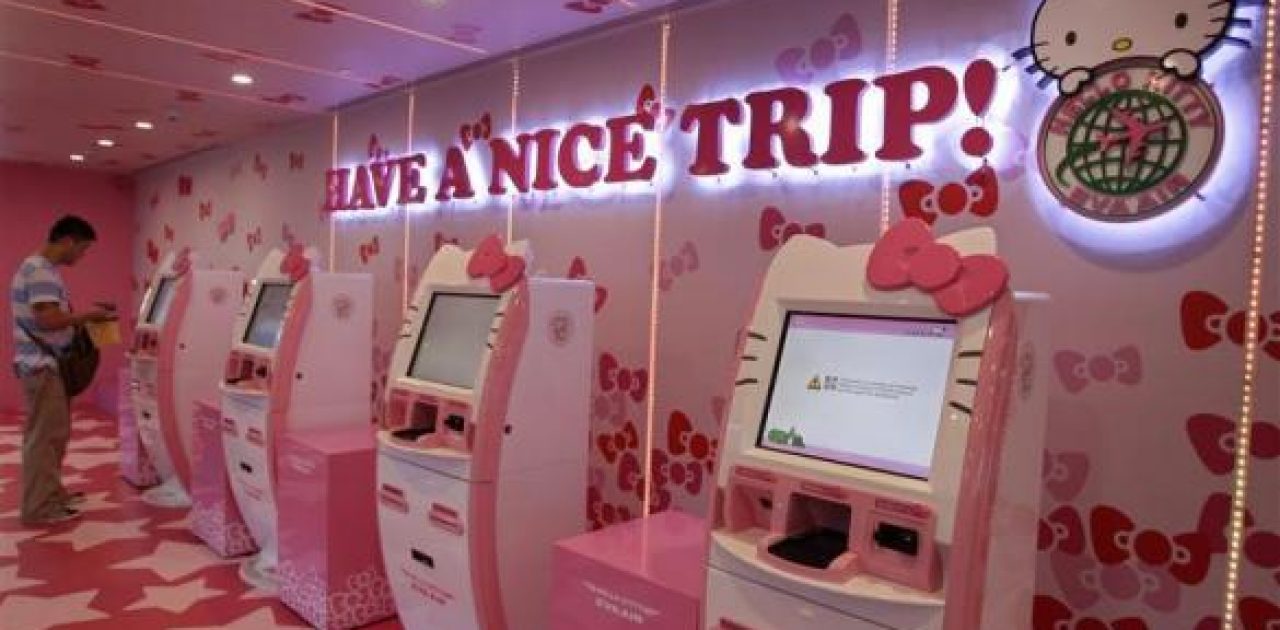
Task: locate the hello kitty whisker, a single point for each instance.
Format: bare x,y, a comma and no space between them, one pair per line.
1238,42
1234,22
757,336
747,357
747,381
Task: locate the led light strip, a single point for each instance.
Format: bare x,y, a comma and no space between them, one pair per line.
1240,481
890,63
654,286
408,226
515,108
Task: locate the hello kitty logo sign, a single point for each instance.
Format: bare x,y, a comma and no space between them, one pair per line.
1135,131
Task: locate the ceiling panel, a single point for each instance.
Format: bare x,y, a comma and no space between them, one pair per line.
72,71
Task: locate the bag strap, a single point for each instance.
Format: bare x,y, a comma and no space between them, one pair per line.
44,345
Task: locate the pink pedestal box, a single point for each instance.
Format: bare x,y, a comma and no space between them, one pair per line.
648,573
215,519
331,571
135,465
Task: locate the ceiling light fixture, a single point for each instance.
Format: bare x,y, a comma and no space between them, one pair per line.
241,78
106,142
144,125
76,157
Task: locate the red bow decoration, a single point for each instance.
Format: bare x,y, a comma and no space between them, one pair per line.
776,230
1207,320
614,444
978,194
253,239
370,249
185,185
182,262
1051,614
667,471
482,130
1063,528
491,261
1116,539
907,255
153,252
682,438
260,165
1065,474
685,261
1214,440
1075,370
297,160
441,241
634,383
602,513
295,264
578,270
631,475
205,210
1084,582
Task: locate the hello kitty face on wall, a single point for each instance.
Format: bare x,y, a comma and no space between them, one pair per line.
1071,39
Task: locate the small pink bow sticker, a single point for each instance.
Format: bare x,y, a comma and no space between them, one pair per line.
1076,371
491,261
908,256
295,264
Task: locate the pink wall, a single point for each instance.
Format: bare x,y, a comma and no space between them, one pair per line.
1123,449
35,197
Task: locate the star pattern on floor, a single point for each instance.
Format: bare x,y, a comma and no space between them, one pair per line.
37,613
90,534
174,560
124,564
11,581
175,599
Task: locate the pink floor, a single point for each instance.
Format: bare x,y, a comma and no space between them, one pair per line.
125,564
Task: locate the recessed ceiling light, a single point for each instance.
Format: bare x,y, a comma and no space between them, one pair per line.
76,157
241,78
106,142
144,125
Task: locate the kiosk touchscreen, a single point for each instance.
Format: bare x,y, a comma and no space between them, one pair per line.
482,464
183,332
882,451
299,360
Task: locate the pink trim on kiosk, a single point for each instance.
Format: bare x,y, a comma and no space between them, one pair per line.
166,354
976,499
499,377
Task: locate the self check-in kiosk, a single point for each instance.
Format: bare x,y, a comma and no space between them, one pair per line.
881,458
182,335
300,360
483,463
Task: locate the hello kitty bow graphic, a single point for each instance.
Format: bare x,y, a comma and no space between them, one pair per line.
1214,439
842,42
683,262
578,271
978,194
296,264
470,133
907,256
490,260
1072,39
1076,370
1116,539
775,229
1051,614
1207,320
633,382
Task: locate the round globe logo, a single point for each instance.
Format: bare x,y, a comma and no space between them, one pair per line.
1134,144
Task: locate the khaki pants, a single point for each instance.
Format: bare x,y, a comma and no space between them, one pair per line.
44,445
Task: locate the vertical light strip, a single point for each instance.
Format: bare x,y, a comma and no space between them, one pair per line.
515,118
1240,480
408,225
333,163
890,63
654,286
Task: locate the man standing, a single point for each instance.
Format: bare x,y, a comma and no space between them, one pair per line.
42,309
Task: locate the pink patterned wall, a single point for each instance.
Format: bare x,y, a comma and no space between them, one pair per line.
1142,407
33,198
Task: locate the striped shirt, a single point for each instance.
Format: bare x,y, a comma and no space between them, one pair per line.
36,281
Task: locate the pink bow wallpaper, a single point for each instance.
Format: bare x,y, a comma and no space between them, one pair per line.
1148,319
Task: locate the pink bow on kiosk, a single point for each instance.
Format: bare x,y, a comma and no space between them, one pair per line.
491,261
295,264
907,255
